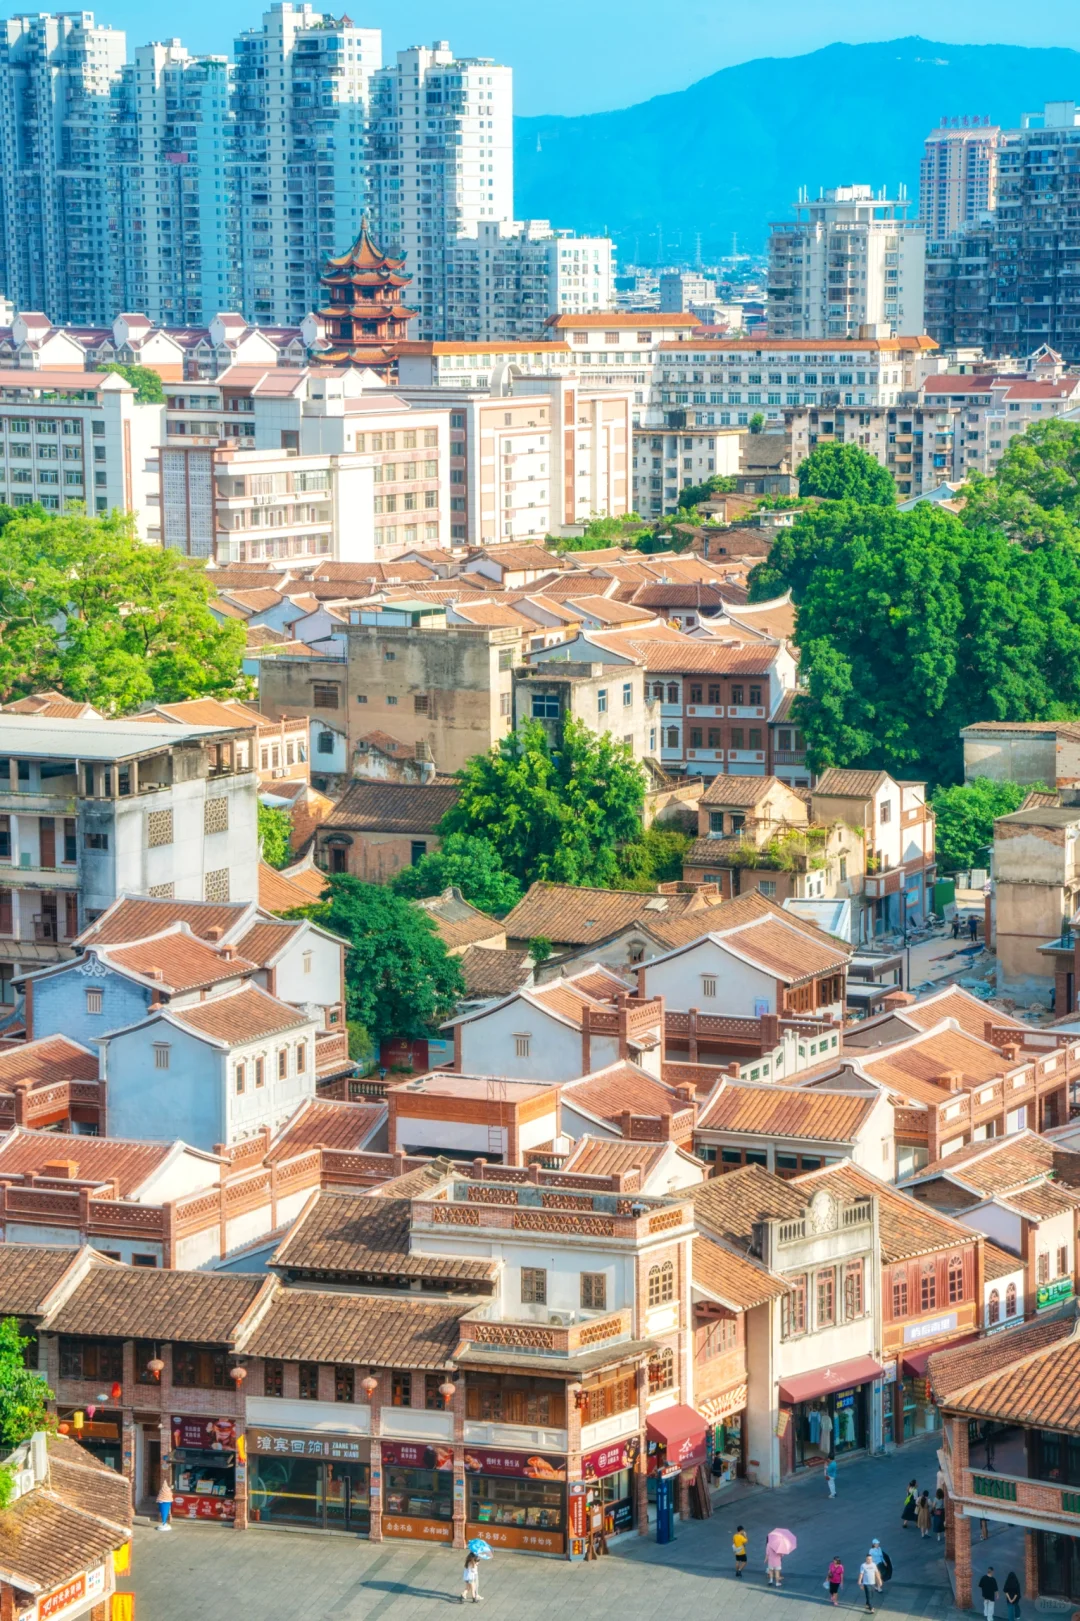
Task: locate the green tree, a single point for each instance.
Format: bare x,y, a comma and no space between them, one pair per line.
599,534
23,1393
845,473
88,608
467,861
275,833
1034,494
399,979
554,813
540,949
146,382
757,422
911,625
654,857
695,494
964,815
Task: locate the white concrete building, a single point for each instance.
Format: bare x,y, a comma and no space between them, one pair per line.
958,176
849,259
505,280
57,72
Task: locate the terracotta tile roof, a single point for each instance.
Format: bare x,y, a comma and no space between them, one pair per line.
516,557
730,1205
304,1325
68,1525
677,654
263,941
837,782
78,1477
306,876
215,712
1042,1200
916,1068
354,1233
601,983
568,915
787,1111
28,1275
735,1280
51,1058
783,951
323,1123
494,614
488,972
998,1263
1028,1375
971,1014
96,1159
774,618
134,917
711,854
144,1303
457,922
907,1228
279,893
52,706
393,807
414,1184
604,1156
623,1086
748,791
608,610
680,594
680,931
183,961
239,1016
1005,1164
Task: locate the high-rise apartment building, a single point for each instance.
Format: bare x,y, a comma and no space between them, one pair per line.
301,106
510,276
958,176
57,74
1035,268
441,164
177,240
850,259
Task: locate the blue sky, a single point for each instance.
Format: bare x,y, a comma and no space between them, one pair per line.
569,56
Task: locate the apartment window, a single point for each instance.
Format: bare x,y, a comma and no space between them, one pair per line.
301,1057
199,1369
825,1298
324,697
853,1289
344,1384
93,1001
601,701
282,1063
793,1315
695,693
161,1055
767,886
240,1078
594,1290
755,737
533,1286
708,985
506,658
91,1359
755,695
928,1286
260,1072
738,737
661,1284
993,1310
956,1278
97,841
1062,1260
737,695
885,812
309,1381
1042,1267
1010,1300
273,1378
662,1371
695,737
432,1394
716,821
545,706
522,1044
504,703
627,695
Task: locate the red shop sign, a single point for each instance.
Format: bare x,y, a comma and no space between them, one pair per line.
204,1508
530,1466
607,1460
417,1454
212,1434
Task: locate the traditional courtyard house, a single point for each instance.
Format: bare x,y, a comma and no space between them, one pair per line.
898,830
789,1129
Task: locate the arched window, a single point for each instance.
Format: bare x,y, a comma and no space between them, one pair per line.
994,1312
658,690
1010,1300
956,1278
672,692
673,737
661,1284
661,1371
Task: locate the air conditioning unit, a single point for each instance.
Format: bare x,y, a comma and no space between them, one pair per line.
279,771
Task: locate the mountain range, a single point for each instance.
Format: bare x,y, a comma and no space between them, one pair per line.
729,153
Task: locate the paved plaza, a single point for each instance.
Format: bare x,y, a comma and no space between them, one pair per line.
210,1573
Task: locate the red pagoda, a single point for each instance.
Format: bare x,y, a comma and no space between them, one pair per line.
365,319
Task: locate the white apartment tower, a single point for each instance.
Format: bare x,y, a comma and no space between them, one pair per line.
301,105
958,176
441,163
56,77
178,253
506,279
849,260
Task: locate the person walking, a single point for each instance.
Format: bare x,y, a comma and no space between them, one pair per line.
471,1578
937,1515
924,1515
1012,1595
910,1508
869,1580
835,1579
956,926
738,1548
774,1566
164,1503
988,1587
830,1476
973,927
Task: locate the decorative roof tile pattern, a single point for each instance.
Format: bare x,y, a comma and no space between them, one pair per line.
841,784
1028,1375
51,1535
351,1233
1005,1164
143,1303
95,1159
182,961
784,951
738,790
136,918
393,807
731,1204
240,1016
262,942
280,893
907,1228
458,923
620,1087
787,1111
970,1013
28,1275
304,1325
998,1263
573,916
491,973
740,1283
51,1058
917,1069
601,1156
323,1123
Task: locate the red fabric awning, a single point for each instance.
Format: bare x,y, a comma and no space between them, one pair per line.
681,1431
805,1386
915,1361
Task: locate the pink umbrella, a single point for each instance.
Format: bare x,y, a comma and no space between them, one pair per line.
781,1541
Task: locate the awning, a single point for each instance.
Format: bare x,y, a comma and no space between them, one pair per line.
805,1386
681,1432
915,1361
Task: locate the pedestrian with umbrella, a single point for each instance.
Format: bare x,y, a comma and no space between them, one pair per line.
778,1543
476,1550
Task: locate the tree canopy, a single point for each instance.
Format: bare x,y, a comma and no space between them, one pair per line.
1034,495
399,980
837,472
275,834
467,861
144,380
23,1393
654,856
913,624
552,813
88,608
964,815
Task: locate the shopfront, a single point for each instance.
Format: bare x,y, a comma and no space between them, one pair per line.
828,1412
418,1491
203,1464
309,1478
675,1439
725,1436
100,1430
516,1499
610,1474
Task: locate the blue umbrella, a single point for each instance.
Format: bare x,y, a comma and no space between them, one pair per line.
480,1548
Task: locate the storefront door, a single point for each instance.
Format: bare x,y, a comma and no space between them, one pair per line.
321,1481
829,1426
1059,1565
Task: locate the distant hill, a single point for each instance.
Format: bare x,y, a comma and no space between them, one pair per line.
730,152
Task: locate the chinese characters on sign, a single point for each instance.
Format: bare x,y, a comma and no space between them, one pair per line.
607,1460
479,1461
284,1443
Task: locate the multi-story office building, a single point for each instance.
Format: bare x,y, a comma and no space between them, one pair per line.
958,176
57,74
178,247
680,290
850,259
301,106
441,162
511,276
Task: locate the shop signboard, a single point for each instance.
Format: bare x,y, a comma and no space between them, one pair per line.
82,1589
1052,1294
292,1443
717,1408
607,1460
576,1501
511,1536
526,1466
419,1530
930,1328
207,1434
418,1455
186,1507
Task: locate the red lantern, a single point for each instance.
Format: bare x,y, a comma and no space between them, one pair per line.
447,1391
117,1390
238,1375
369,1385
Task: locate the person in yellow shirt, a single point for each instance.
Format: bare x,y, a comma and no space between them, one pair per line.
738,1543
